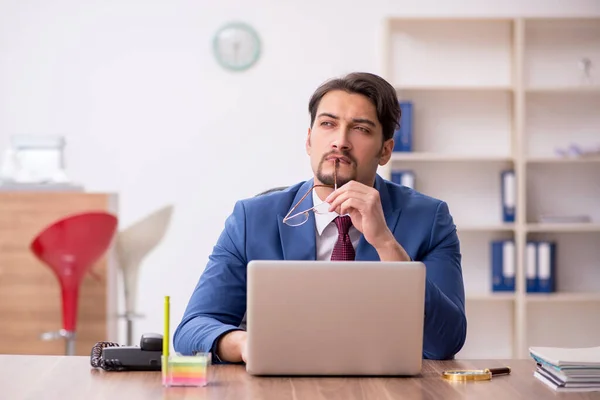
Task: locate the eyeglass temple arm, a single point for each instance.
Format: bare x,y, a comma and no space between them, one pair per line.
299,213
288,216
335,167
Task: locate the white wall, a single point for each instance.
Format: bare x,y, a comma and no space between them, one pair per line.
148,113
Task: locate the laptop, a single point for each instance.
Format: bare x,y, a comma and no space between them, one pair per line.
350,318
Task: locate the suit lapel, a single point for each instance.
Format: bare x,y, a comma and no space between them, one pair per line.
364,250
299,242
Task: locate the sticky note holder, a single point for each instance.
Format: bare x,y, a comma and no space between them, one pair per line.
178,370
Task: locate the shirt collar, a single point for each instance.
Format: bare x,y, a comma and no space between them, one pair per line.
324,218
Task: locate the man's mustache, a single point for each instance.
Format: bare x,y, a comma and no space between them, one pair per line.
344,154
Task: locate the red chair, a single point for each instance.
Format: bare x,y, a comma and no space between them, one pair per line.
70,247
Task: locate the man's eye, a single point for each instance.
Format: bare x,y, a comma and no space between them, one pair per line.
326,123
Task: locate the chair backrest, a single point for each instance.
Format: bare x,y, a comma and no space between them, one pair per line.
134,243
275,189
142,236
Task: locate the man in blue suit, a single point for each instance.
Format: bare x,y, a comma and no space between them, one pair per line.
352,123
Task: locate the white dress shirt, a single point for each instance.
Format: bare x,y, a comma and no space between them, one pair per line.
326,230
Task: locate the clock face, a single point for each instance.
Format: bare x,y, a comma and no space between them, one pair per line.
236,46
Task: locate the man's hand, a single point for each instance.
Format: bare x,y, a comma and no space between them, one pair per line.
363,204
232,347
244,347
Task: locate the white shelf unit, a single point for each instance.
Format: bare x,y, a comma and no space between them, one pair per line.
496,94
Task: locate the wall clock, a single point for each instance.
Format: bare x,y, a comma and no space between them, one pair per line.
236,46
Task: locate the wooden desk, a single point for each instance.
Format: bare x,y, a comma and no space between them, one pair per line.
60,377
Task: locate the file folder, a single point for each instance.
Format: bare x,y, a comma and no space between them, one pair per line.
546,266
503,266
404,178
403,135
531,266
509,196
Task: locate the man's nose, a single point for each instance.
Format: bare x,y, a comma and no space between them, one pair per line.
341,141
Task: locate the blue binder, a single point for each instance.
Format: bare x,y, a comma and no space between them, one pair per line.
531,266
509,195
503,265
404,178
403,135
546,256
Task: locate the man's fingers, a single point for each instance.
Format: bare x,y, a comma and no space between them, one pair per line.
352,203
351,186
344,196
338,200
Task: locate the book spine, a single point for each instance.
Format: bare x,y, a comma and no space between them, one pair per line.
531,267
503,266
547,267
404,134
509,196
404,178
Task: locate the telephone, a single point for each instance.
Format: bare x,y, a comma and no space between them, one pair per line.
114,357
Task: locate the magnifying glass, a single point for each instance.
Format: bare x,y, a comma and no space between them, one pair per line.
463,375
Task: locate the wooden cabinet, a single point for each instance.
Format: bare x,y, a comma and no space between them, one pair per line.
30,299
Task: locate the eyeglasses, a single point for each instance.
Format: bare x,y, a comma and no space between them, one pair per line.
302,216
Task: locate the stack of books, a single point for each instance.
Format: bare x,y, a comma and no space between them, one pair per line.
568,369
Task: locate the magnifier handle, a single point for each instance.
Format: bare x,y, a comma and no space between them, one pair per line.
499,371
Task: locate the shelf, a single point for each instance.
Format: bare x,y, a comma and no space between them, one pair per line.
457,88
576,228
553,50
474,53
509,94
536,297
490,327
440,157
562,297
564,89
562,189
562,324
508,296
559,121
471,190
444,120
485,228
564,160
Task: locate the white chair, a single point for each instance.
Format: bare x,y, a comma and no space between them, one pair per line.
133,245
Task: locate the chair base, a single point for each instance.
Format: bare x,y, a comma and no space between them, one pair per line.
69,337
129,317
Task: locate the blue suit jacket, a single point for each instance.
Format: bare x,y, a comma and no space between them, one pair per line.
421,224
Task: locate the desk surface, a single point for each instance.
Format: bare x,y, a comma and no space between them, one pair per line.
60,377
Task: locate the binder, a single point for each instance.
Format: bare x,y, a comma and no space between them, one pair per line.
403,135
503,266
509,196
404,178
531,266
546,266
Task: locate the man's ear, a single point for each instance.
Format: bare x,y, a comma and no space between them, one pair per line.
307,144
386,151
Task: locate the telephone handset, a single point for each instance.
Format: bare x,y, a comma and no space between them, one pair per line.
111,356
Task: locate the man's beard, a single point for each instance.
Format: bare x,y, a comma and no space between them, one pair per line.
329,179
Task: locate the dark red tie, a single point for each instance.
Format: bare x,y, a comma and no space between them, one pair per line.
343,249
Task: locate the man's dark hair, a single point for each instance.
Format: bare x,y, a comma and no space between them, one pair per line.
378,90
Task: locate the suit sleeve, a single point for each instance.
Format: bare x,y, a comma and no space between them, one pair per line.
218,302
445,326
